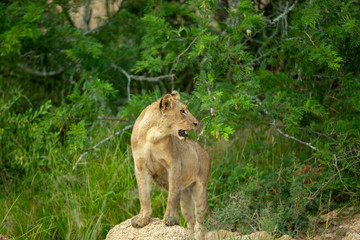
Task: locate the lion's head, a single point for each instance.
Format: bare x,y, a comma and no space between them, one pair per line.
176,118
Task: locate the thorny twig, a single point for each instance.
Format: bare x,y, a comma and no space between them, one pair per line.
99,143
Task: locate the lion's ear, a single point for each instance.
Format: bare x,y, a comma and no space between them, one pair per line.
166,103
175,95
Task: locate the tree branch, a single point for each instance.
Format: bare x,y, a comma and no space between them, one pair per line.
292,137
95,28
127,76
285,13
151,79
38,73
310,39
282,15
140,78
176,60
99,143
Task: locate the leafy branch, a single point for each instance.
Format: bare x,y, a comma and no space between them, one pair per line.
99,143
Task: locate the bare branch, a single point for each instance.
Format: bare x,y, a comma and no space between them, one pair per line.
282,15
38,73
95,28
338,171
151,79
285,13
99,143
292,137
312,42
140,78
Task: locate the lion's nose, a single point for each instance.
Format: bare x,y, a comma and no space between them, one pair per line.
195,123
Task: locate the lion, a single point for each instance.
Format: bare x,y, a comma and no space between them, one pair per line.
163,153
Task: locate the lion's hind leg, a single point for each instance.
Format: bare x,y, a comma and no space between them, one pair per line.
187,208
200,201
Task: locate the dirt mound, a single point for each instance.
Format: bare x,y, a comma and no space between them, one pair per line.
155,230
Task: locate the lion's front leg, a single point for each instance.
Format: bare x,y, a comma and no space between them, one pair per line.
144,181
171,216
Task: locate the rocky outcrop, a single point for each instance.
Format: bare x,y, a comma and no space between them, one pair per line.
156,229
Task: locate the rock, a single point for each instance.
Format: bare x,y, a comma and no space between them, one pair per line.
286,237
2,237
352,236
156,229
261,235
329,216
222,235
226,235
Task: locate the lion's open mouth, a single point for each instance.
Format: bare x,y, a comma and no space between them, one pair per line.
182,133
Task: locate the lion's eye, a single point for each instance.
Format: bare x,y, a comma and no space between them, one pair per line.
182,111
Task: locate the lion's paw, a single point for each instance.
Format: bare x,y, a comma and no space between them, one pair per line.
171,221
139,222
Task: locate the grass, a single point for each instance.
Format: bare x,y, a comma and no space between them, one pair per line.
255,185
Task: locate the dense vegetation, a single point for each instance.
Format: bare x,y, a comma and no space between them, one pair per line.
275,83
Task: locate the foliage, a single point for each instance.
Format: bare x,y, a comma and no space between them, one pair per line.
276,87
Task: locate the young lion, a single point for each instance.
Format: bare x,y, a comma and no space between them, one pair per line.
162,153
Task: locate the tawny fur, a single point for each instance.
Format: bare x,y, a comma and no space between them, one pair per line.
164,155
